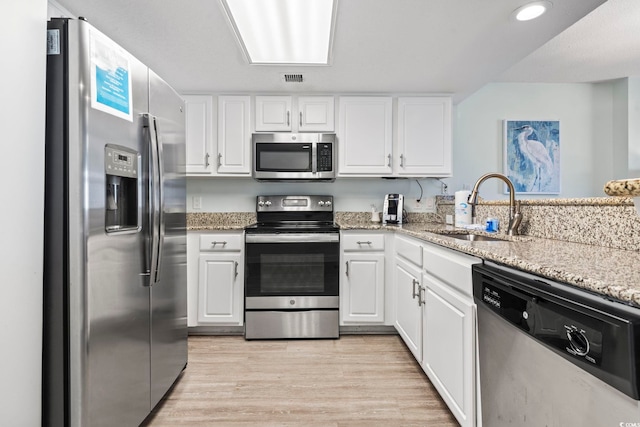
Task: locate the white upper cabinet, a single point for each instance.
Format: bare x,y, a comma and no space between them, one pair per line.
365,136
230,153
279,114
316,114
273,114
199,133
234,136
378,136
424,137
422,144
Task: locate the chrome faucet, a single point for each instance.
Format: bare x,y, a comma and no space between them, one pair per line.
515,217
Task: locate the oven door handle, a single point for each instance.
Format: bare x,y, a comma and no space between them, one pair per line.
293,238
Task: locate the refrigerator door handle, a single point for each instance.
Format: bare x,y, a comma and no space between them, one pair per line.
161,201
154,234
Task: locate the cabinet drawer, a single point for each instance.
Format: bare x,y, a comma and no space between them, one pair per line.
363,242
221,242
450,266
409,249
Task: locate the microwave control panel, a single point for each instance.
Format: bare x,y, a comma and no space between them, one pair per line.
325,157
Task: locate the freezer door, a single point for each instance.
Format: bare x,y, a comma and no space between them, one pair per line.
169,289
109,295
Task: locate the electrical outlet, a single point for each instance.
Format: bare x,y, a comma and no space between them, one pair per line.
416,205
430,204
427,204
449,219
196,202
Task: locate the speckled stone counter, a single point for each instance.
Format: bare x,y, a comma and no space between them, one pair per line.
623,187
219,220
591,243
608,271
600,221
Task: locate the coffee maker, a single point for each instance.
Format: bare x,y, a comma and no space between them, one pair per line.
393,209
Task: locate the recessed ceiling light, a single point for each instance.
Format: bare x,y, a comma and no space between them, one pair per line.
532,10
283,31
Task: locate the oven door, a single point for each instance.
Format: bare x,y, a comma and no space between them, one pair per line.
292,270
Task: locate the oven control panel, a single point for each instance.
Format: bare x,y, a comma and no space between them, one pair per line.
294,204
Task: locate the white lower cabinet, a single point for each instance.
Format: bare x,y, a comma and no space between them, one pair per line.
448,350
449,338
362,290
408,305
221,279
435,316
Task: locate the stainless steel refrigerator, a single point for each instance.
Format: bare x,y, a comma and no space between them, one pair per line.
115,314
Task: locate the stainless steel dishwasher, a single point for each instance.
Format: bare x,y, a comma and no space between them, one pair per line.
551,354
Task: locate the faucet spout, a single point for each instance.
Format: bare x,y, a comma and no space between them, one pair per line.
515,217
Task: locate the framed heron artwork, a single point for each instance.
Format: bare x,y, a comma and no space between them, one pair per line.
532,155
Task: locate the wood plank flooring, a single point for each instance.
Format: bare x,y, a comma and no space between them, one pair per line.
357,380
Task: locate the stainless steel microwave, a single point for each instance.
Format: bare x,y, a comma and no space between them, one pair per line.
294,156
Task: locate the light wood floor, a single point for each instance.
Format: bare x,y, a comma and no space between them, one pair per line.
357,380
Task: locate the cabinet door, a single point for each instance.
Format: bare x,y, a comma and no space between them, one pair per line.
221,289
449,350
362,290
199,133
424,137
408,306
365,136
273,113
234,135
316,114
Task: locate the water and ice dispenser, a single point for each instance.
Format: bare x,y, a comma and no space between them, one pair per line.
121,205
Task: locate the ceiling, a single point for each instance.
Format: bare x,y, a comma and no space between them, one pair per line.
604,45
384,46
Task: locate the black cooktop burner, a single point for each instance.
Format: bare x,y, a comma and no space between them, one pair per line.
292,227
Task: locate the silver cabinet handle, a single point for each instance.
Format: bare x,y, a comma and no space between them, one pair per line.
364,243
219,159
347,266
236,268
421,296
401,160
300,118
288,118
215,242
389,160
206,160
414,282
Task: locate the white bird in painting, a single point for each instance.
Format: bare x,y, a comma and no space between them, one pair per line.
535,151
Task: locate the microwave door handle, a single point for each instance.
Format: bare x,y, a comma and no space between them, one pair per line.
314,158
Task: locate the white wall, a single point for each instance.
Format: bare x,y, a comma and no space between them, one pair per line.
585,115
633,91
350,194
23,53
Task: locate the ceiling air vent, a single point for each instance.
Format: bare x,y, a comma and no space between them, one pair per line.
293,78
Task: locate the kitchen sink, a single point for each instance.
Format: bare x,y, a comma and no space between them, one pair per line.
473,237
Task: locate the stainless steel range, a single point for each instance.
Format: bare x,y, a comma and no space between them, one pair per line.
292,269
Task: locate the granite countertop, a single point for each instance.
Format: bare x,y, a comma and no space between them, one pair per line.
611,272
219,221
623,187
608,271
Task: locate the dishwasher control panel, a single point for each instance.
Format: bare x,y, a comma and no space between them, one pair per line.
573,332
600,336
